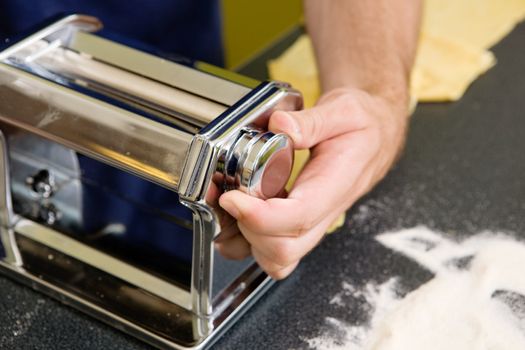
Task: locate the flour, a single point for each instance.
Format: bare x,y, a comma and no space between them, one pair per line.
476,299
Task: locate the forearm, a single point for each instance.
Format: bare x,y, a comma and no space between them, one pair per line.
366,44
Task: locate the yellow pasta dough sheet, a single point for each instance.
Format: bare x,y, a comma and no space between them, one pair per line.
444,69
477,23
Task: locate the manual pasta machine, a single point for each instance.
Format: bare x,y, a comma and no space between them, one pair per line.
112,160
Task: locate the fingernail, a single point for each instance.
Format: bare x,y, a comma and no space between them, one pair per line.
230,208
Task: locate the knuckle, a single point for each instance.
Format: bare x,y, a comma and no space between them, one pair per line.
284,253
234,256
305,226
237,254
283,273
267,267
224,251
278,275
236,248
346,104
240,256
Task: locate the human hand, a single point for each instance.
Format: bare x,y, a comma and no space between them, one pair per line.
354,139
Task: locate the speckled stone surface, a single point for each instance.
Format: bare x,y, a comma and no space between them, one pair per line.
463,171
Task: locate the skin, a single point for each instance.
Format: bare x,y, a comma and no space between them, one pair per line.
365,51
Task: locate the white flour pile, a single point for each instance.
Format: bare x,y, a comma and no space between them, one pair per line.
476,299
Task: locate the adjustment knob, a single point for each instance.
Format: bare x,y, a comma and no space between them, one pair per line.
259,163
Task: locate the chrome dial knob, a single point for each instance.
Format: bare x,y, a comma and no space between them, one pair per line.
259,163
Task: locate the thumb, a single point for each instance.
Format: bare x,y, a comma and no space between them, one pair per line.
311,126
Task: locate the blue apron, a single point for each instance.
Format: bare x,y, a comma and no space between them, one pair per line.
191,28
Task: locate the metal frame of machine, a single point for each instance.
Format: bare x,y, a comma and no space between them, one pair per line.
198,134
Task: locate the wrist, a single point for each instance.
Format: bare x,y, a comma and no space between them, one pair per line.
394,92
391,84
385,111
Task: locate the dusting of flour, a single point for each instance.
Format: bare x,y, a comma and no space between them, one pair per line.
476,299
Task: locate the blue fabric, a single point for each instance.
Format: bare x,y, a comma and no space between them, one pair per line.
187,27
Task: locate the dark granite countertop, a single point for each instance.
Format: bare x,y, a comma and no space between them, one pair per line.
463,171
